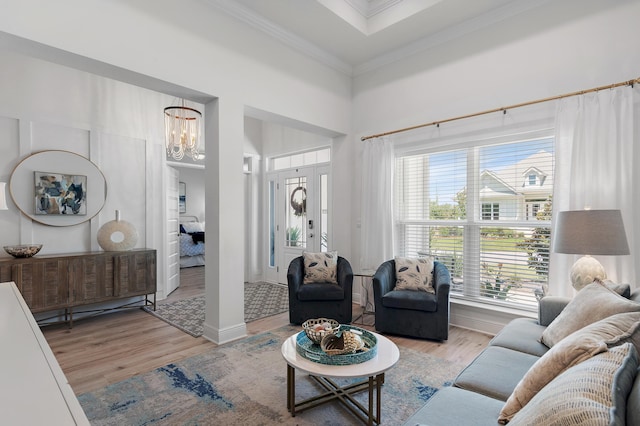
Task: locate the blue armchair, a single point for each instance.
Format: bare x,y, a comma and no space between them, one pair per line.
412,313
316,300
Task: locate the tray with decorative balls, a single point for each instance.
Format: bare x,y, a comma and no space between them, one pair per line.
347,345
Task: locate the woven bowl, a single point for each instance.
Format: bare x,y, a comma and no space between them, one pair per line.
25,250
316,335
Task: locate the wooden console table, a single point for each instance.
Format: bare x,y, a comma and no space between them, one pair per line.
66,281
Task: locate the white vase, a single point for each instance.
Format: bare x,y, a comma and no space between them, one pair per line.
117,235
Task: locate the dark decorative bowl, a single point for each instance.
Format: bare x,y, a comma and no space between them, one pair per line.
24,250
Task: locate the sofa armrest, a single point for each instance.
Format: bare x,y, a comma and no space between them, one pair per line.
550,307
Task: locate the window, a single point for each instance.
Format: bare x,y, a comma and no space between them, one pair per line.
444,200
309,158
533,179
490,211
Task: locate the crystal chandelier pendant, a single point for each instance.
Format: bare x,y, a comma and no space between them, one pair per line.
182,131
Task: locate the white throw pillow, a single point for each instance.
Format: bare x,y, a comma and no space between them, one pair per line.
414,274
591,304
190,227
320,267
593,392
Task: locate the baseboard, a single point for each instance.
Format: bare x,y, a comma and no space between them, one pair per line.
227,335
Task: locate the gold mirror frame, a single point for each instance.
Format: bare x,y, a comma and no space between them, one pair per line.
22,185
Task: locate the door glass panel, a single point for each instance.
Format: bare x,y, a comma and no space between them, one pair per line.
272,224
296,208
324,213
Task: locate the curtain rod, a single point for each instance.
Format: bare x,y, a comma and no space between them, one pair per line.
504,109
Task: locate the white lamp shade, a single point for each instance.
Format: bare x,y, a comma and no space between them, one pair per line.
3,197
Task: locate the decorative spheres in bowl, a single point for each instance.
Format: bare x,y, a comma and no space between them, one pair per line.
317,328
23,250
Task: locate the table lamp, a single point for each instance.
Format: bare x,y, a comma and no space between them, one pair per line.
589,232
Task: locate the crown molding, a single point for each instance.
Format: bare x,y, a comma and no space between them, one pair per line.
298,43
449,34
286,37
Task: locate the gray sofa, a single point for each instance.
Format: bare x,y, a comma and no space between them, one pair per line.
479,392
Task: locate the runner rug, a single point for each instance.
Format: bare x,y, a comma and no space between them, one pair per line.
244,383
261,300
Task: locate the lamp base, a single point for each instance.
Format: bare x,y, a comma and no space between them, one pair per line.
585,271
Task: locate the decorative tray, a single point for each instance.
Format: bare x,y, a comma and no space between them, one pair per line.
311,351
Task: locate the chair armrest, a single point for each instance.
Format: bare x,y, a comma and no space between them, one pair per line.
550,307
442,283
345,274
295,275
384,280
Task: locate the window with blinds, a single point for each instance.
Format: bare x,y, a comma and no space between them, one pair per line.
485,212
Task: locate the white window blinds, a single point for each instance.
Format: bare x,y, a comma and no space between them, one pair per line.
475,210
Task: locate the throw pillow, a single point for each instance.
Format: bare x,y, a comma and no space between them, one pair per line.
190,227
572,350
414,274
591,304
320,267
592,392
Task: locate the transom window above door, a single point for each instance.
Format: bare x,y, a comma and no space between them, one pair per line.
301,159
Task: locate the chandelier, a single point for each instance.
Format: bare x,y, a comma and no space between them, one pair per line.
182,131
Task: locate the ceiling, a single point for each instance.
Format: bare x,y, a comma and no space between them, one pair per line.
356,36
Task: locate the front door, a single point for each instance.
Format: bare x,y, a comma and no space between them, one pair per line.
299,215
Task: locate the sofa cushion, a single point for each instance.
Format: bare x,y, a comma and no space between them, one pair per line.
592,392
593,303
454,406
320,267
407,299
495,372
521,334
414,274
573,349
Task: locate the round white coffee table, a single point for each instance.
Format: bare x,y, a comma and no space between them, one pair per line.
373,370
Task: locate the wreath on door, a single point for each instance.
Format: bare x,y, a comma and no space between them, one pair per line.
299,202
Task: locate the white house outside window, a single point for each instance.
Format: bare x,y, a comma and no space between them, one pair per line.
475,210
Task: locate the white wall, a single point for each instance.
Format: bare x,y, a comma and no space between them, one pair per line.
557,48
44,106
230,65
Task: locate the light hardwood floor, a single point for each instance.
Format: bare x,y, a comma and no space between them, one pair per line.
109,348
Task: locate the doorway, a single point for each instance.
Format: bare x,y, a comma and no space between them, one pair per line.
299,220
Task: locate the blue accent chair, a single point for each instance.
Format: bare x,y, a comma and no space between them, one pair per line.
409,312
320,300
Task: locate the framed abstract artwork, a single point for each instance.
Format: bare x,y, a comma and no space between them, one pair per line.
60,193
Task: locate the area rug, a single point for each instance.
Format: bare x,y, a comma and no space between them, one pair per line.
244,383
261,300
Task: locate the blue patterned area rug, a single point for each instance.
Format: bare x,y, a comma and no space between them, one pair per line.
261,299
244,383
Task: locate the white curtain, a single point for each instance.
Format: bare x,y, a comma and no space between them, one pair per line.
377,203
595,159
